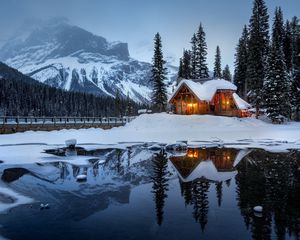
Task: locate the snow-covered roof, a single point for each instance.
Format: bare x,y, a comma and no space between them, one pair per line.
240,103
206,90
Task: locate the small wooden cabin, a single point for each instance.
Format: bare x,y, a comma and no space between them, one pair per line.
216,96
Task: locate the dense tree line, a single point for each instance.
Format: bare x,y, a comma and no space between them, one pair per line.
267,70
27,97
193,65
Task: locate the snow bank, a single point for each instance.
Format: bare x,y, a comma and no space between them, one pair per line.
169,128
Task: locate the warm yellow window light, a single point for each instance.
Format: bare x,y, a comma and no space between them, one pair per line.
192,104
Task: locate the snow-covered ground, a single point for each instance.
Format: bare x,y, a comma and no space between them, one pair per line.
169,128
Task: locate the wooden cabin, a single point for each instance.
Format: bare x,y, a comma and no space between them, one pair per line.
215,96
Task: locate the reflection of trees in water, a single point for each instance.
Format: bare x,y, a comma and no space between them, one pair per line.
129,153
160,183
195,193
119,167
200,201
186,191
270,180
219,192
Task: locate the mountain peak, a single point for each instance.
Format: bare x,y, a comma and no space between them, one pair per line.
59,39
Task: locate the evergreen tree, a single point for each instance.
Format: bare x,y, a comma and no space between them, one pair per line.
118,103
129,106
295,72
287,47
226,74
159,96
257,51
276,86
295,38
184,70
186,64
180,74
201,52
241,63
217,68
193,56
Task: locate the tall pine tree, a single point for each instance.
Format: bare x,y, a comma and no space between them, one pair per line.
258,50
193,56
201,52
198,55
295,93
287,47
217,67
226,74
241,63
186,64
276,85
159,72
179,74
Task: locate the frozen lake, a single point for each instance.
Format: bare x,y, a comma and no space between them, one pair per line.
137,193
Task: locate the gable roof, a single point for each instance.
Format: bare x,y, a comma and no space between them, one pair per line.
206,90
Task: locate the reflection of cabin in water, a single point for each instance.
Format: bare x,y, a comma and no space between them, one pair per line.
216,164
209,96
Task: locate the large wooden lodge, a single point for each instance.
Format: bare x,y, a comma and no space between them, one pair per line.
209,96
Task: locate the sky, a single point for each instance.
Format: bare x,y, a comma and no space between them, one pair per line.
137,21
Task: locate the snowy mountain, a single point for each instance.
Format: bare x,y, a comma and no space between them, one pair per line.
71,58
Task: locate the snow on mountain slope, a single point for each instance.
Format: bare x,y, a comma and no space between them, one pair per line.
71,58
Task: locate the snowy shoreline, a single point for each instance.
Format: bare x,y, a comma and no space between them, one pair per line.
168,128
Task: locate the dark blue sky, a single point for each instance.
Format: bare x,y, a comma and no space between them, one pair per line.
136,21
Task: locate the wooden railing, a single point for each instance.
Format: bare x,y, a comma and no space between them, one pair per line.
10,124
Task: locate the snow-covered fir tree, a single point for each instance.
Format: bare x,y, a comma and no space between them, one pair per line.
226,73
217,64
198,55
276,86
295,35
257,50
287,47
193,56
295,88
201,52
159,72
179,74
241,58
